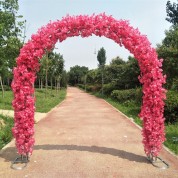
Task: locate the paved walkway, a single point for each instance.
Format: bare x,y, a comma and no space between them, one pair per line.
86,137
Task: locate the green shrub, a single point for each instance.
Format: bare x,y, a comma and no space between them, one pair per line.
175,84
108,88
93,88
82,86
90,88
127,95
171,107
7,88
171,103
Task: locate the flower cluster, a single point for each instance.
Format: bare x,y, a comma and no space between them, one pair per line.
100,25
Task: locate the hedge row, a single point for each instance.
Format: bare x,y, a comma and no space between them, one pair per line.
127,95
107,88
171,103
90,88
171,107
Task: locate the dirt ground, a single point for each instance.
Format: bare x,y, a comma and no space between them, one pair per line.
86,137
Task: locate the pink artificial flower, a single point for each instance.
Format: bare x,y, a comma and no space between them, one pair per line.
101,25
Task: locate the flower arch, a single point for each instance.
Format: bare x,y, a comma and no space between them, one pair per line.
100,25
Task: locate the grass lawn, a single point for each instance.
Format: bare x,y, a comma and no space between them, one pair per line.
6,123
6,102
46,104
172,131
43,104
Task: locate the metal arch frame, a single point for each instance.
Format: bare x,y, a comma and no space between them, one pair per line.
154,160
22,159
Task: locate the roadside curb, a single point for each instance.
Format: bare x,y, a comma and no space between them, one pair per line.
131,119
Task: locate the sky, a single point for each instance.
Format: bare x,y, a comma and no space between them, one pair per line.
146,15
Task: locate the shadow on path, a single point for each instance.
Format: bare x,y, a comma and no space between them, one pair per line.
10,153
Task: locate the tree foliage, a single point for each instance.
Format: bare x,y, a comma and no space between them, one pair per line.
168,50
172,12
123,74
119,74
76,74
93,76
101,57
10,38
51,64
10,32
117,61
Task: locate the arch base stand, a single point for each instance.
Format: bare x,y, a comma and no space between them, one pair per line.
158,162
20,162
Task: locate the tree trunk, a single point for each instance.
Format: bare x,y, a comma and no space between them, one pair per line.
46,74
59,82
8,81
56,85
39,83
34,94
85,81
102,83
2,87
51,83
46,83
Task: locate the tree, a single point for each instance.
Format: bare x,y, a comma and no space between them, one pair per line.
93,76
117,61
168,50
46,71
51,69
121,74
76,74
41,73
131,73
101,57
172,12
10,34
58,68
114,71
64,79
